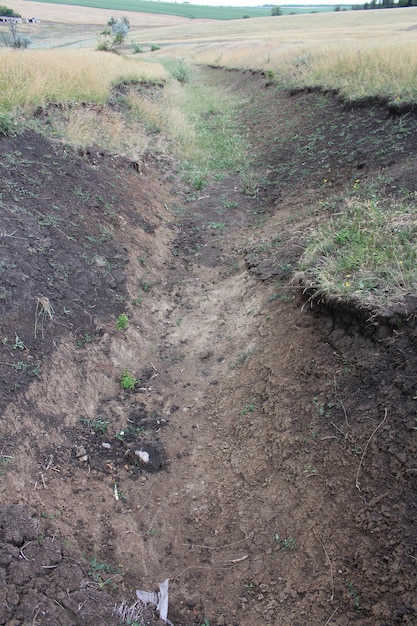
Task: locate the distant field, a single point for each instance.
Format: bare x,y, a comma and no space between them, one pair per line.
188,10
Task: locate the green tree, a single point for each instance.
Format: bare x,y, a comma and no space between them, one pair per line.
115,34
6,12
276,11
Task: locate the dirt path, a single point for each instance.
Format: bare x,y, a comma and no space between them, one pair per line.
263,460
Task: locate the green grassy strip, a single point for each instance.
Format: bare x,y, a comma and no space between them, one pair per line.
367,253
191,11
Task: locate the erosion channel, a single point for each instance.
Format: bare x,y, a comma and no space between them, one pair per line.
174,406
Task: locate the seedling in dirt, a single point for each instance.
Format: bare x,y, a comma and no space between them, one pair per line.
248,408
357,450
323,408
309,471
122,321
137,301
354,595
18,344
97,570
217,225
288,543
243,356
99,426
5,461
314,431
154,532
127,381
205,622
146,285
86,339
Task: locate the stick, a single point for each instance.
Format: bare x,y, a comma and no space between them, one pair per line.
366,447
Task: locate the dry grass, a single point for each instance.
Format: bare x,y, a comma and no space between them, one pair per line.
29,78
359,53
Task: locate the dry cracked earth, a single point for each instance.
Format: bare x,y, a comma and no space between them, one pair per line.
254,447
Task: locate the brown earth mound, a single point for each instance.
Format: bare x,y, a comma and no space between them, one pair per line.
254,448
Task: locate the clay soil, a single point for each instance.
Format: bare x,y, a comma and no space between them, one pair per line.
264,459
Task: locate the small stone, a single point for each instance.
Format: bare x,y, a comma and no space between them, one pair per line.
80,451
83,458
143,455
106,445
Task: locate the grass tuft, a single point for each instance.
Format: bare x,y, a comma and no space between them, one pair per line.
367,253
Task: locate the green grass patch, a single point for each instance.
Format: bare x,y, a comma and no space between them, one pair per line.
203,123
367,253
182,9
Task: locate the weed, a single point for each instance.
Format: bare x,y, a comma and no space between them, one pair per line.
137,48
205,622
181,73
137,301
97,570
154,532
314,432
98,425
142,260
357,450
354,595
323,409
146,285
18,344
154,47
5,462
217,225
122,321
243,356
20,365
270,77
7,125
287,543
127,381
84,340
248,408
309,471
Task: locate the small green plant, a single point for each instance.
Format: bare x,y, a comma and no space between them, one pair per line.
181,73
146,285
7,126
154,532
270,77
5,461
97,570
18,344
122,321
99,426
248,408
154,47
86,339
137,48
309,471
127,381
288,543
205,622
217,225
354,595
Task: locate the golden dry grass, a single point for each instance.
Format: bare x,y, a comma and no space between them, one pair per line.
32,77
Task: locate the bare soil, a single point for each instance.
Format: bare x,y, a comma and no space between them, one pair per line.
264,458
